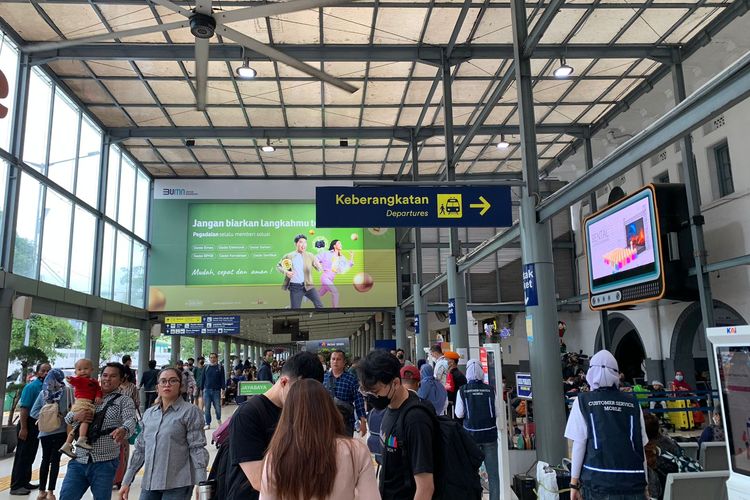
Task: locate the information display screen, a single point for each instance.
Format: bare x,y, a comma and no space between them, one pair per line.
221,255
734,373
622,243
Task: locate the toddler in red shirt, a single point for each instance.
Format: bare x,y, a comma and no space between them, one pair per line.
87,392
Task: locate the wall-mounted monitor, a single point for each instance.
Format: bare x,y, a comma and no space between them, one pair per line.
635,245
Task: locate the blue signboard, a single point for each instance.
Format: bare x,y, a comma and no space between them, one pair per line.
529,286
452,311
416,324
386,345
523,385
413,206
202,325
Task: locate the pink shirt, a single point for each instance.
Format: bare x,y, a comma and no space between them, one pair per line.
355,475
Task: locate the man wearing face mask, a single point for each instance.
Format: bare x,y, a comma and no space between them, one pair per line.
410,452
441,364
254,423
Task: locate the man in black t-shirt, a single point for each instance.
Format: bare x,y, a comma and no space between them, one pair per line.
254,423
410,451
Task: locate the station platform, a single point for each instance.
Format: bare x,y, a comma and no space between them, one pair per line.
6,465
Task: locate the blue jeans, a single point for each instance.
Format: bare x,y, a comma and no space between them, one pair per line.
212,396
492,466
97,475
173,494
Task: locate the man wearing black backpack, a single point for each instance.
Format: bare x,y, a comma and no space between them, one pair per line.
410,459
415,440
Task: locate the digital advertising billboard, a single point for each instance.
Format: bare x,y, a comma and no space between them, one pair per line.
210,253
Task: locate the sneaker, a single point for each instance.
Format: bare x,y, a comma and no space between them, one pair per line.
20,492
84,443
67,449
218,420
51,495
42,495
206,427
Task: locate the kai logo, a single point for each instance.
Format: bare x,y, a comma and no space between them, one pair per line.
731,330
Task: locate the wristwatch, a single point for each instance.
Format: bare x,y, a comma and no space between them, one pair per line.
576,486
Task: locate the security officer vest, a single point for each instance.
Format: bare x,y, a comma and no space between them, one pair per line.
479,414
614,449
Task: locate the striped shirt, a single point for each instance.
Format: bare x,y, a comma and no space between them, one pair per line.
120,414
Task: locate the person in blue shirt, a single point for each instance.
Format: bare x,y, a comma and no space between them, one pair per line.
344,388
214,381
265,372
52,440
28,436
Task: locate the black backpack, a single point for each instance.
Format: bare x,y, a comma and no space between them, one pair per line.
458,457
218,475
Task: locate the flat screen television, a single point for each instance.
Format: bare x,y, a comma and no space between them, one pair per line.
634,245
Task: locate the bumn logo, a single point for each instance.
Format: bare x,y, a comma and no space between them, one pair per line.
174,192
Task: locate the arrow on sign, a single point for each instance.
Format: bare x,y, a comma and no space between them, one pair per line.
484,205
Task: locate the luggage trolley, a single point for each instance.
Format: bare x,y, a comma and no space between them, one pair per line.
731,348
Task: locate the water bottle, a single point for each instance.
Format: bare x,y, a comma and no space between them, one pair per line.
206,490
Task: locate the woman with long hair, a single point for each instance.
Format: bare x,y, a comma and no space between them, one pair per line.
333,262
171,446
129,389
309,423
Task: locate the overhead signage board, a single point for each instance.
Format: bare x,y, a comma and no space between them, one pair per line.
202,325
413,206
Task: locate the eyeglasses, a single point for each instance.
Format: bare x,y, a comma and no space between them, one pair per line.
170,381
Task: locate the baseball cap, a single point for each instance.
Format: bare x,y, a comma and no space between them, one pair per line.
410,372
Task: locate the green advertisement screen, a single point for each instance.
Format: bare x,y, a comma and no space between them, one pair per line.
233,256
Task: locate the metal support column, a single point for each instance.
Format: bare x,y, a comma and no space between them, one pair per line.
421,338
690,176
175,345
402,342
215,346
6,328
379,326
589,161
228,356
456,286
387,327
94,336
536,250
246,349
144,345
198,348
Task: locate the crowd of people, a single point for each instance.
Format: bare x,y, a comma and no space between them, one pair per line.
315,404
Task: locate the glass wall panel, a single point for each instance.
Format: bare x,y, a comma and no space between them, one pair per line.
9,67
26,253
127,193
82,259
89,155
143,195
63,142
3,188
113,181
108,261
37,121
138,277
122,268
56,240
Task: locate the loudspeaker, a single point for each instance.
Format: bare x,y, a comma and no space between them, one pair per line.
22,308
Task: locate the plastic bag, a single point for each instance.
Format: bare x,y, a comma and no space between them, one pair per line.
546,482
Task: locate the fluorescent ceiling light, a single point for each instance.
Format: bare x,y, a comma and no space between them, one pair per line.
268,148
503,144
